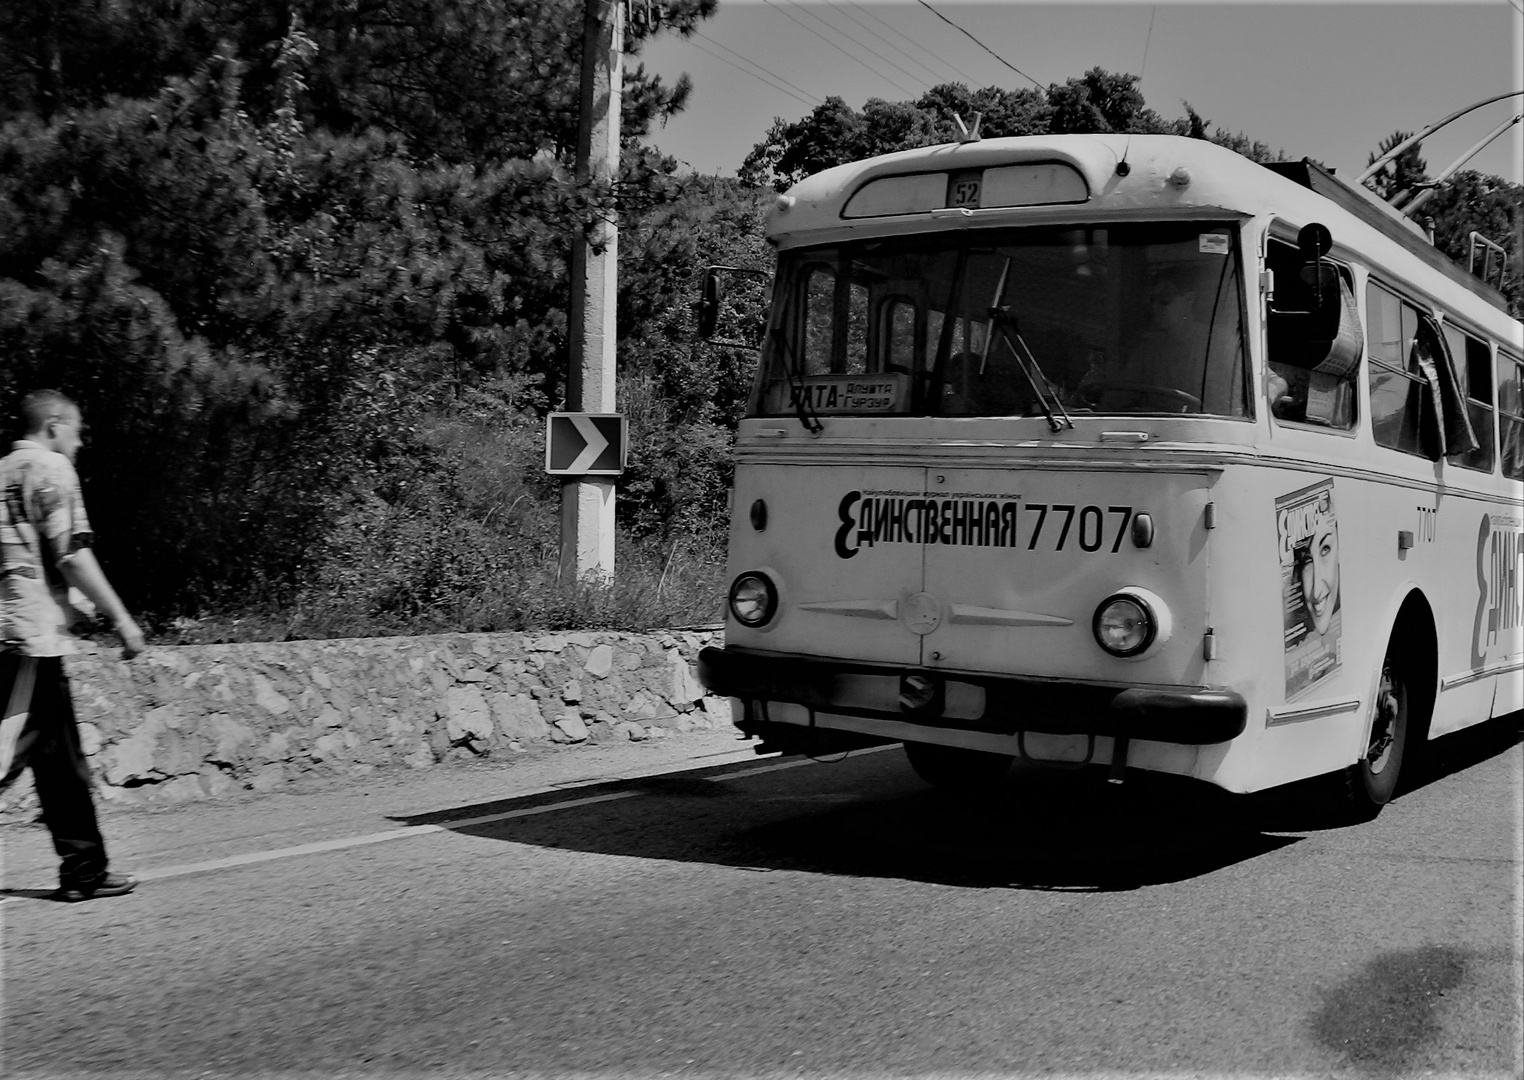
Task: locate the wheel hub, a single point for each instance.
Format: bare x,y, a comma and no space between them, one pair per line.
1387,705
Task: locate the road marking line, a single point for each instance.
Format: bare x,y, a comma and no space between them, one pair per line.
318,847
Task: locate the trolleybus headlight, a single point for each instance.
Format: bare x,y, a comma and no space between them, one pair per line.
753,599
1125,624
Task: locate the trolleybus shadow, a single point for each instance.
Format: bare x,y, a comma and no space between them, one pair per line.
869,815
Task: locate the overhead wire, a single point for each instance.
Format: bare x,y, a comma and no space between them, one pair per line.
956,72
977,42
1147,41
777,82
838,48
859,44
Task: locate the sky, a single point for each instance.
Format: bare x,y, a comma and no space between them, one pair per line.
1322,80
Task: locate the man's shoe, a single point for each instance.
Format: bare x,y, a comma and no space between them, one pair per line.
105,885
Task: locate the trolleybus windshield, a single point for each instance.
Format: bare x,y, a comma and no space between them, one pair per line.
1121,318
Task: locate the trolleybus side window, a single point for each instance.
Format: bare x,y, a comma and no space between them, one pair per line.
1511,414
1312,379
1418,402
1399,395
1473,367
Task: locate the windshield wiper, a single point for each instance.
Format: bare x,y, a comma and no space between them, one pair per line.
804,407
1002,319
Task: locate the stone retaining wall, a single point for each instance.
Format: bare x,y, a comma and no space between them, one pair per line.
198,721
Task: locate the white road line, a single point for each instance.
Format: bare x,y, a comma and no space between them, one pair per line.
187,869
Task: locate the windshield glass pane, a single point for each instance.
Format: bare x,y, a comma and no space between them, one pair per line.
1129,318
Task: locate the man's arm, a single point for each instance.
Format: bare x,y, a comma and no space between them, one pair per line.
82,571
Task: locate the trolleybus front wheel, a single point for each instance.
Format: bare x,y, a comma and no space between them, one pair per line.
955,768
1371,781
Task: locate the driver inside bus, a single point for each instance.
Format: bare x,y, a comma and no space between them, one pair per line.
1171,304
1147,377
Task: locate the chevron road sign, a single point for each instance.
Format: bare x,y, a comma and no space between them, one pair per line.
585,444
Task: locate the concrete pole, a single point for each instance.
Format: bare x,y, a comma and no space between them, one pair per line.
587,503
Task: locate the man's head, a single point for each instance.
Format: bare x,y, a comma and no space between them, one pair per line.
1171,298
54,421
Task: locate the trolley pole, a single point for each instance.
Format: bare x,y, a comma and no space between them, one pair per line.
587,503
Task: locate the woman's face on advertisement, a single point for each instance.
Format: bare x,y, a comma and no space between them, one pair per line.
1320,576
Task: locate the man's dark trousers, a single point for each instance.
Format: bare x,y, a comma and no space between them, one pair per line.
49,743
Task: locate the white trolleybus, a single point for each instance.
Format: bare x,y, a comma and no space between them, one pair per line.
1123,450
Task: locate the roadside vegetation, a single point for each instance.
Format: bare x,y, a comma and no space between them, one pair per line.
305,267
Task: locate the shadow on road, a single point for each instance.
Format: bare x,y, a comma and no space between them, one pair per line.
869,816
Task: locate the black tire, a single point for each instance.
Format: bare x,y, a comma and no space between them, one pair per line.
1371,782
953,768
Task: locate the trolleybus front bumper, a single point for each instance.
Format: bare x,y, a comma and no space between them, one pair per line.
1012,703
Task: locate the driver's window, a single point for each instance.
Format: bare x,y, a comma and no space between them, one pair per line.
819,321
1301,390
899,334
856,360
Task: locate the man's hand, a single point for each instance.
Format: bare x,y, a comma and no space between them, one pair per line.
132,638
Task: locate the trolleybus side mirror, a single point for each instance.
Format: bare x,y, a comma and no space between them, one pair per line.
1315,241
709,304
741,311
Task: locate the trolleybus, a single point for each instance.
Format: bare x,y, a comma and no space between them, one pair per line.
1122,450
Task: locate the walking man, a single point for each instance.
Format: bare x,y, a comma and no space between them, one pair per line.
44,553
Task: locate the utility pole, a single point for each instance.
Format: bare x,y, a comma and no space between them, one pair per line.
587,503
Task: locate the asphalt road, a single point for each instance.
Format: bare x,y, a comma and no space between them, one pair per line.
785,917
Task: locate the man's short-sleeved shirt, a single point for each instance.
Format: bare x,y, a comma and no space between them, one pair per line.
42,525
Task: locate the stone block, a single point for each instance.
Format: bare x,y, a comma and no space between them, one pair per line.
277,747
572,726
571,693
267,697
467,715
180,753
180,789
232,742
641,707
421,758
600,731
327,747
165,716
133,758
217,782
681,688
518,717
268,777
632,731
718,711
89,739
600,662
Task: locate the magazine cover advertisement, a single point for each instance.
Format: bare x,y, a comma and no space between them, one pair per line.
1308,531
